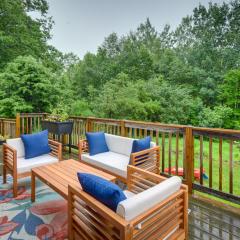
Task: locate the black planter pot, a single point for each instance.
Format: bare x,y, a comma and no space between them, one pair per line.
58,128
2,142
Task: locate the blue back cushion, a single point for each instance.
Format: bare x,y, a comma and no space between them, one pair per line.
141,144
104,191
96,143
35,144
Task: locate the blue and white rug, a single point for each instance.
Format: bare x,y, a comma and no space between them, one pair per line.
21,220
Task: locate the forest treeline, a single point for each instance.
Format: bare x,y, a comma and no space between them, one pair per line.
189,75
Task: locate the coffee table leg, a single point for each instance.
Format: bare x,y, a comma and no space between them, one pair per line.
33,186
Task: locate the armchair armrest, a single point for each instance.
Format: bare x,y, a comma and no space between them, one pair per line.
140,180
88,217
148,159
56,148
10,158
168,215
82,147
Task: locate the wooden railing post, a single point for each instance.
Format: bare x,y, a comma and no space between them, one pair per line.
18,119
89,125
2,127
123,129
189,157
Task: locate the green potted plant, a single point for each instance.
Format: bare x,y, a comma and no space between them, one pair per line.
57,122
3,138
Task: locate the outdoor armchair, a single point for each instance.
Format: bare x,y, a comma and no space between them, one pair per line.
158,210
15,164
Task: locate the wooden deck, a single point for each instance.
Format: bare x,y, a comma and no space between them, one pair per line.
206,221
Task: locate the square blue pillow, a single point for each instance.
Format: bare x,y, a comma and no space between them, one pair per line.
96,143
141,144
36,144
104,191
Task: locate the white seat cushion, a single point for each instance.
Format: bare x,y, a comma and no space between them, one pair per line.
141,202
110,161
17,144
25,165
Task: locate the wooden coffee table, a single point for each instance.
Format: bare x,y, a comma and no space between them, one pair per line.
59,175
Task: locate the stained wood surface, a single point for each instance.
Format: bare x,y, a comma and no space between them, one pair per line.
59,175
207,221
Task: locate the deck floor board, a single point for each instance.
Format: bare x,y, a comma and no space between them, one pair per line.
207,221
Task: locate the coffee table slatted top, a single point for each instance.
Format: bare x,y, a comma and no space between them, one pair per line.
59,175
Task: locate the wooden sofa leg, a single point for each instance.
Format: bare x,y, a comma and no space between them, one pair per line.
15,187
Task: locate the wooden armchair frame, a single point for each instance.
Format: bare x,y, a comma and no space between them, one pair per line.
90,219
10,162
148,159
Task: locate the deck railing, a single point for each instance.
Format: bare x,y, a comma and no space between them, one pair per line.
214,154
8,127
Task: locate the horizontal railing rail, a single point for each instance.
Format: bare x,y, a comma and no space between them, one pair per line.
207,159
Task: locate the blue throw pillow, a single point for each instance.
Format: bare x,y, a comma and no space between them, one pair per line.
96,143
141,144
104,191
35,144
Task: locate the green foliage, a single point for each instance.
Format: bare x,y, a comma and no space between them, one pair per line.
19,33
231,89
81,108
58,114
187,76
230,94
219,117
27,86
183,76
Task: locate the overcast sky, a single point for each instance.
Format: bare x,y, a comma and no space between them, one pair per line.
81,25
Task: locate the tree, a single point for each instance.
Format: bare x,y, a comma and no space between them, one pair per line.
219,117
27,85
119,99
19,33
230,93
172,103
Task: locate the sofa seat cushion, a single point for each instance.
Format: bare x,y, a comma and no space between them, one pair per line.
25,165
141,202
110,161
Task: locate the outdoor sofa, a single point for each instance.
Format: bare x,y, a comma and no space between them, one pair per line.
119,156
155,208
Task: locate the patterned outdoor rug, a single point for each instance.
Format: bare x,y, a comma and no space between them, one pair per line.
21,220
